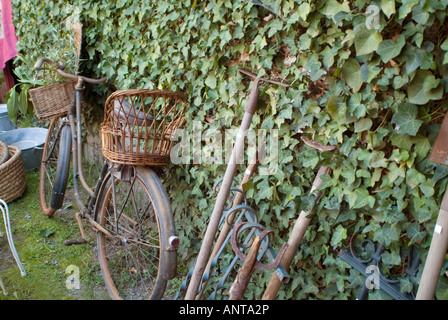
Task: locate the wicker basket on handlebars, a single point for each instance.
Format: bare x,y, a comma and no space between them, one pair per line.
139,124
52,100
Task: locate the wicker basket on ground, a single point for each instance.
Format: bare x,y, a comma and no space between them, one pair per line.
12,176
4,152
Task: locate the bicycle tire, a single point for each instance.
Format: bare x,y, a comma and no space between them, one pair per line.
55,167
131,269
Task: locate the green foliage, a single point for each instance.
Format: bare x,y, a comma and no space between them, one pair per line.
40,244
59,45
369,77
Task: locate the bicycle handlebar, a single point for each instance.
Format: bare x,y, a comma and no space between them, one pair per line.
59,69
41,61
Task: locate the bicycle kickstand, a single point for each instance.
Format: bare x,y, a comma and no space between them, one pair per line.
83,238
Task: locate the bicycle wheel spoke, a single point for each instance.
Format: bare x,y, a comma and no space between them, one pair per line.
128,231
130,254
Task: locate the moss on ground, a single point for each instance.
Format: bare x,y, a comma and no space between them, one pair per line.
39,242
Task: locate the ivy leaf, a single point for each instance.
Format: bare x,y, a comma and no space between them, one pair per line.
304,10
442,289
405,119
414,232
274,27
363,124
47,232
314,66
211,81
333,7
391,257
351,72
444,46
419,15
388,7
440,172
378,160
366,41
445,58
389,49
406,8
361,198
412,57
355,279
339,234
424,87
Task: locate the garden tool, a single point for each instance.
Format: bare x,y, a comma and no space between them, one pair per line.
227,227
295,238
212,227
251,261
439,242
301,224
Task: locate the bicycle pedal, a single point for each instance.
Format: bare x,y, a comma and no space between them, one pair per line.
71,242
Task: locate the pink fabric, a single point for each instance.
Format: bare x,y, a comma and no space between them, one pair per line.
8,39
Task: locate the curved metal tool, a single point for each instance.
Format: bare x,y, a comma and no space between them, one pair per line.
254,76
213,224
251,261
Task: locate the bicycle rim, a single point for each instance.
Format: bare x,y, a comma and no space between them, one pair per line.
55,165
130,260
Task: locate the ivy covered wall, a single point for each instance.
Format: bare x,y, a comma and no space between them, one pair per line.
369,77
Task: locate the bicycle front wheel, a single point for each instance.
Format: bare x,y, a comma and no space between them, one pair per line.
55,167
134,255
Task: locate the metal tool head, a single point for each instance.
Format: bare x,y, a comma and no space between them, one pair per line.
439,152
254,76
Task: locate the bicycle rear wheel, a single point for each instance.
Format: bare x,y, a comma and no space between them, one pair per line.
55,166
135,262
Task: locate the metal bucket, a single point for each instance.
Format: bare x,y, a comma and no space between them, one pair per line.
30,141
5,122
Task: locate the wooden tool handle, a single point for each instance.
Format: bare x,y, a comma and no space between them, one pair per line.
436,255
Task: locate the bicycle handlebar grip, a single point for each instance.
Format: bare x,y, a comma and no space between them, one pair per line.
40,62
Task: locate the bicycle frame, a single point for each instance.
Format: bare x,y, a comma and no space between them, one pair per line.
78,173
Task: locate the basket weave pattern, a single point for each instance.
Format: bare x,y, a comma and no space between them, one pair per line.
138,125
12,176
52,100
4,152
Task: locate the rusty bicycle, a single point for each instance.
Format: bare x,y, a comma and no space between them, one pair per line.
128,207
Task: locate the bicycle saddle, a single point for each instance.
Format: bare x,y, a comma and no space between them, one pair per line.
125,113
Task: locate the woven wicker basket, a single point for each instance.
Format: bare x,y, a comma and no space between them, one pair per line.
52,100
138,125
12,176
4,152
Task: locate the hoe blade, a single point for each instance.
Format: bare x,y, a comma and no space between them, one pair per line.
440,150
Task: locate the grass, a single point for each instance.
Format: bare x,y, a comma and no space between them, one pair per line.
39,242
